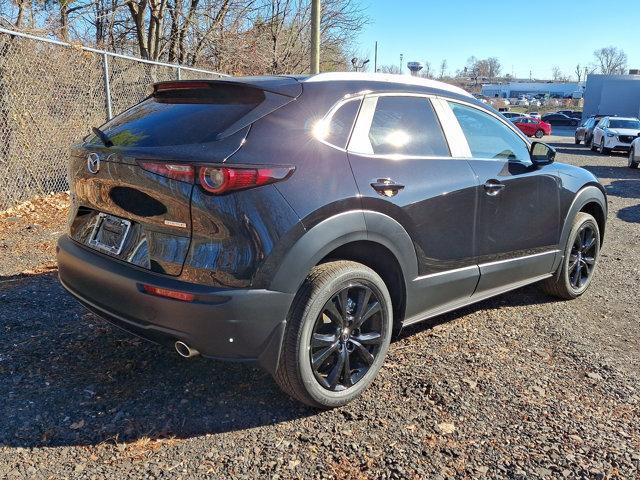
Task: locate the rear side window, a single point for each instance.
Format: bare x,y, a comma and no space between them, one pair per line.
182,117
340,124
402,125
488,137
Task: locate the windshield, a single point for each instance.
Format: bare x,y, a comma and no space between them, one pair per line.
620,123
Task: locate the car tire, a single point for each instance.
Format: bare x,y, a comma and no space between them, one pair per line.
317,314
632,163
602,149
579,253
539,133
576,140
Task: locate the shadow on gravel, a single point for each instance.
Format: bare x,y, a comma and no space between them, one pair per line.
624,188
616,173
570,149
69,378
530,295
630,214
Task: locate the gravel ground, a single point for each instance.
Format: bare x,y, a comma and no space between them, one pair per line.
520,386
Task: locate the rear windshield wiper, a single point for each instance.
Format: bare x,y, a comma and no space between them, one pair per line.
102,136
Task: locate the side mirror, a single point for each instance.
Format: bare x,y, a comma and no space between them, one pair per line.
542,154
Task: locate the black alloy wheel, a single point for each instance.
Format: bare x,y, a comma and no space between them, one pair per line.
582,259
337,334
346,338
579,260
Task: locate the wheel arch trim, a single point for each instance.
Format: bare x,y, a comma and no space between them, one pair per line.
336,231
589,193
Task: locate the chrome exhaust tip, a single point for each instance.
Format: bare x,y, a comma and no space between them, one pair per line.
185,350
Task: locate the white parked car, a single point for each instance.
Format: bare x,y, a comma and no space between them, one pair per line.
535,115
615,133
634,154
523,102
511,115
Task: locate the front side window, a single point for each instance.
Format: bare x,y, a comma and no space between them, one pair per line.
402,125
488,137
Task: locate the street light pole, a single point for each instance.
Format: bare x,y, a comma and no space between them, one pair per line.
315,36
375,59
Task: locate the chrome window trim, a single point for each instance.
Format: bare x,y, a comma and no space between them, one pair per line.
363,125
458,145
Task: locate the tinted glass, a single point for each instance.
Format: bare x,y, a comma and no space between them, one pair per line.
340,124
178,118
634,124
488,137
406,126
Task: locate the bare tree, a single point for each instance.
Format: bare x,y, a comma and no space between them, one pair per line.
611,60
234,36
427,70
578,72
557,75
443,68
22,7
389,69
493,67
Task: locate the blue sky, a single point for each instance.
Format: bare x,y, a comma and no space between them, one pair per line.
525,35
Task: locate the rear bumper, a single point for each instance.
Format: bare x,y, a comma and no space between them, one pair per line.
219,323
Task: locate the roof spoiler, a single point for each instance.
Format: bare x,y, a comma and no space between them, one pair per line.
287,86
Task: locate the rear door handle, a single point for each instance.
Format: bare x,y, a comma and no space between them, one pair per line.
493,187
387,187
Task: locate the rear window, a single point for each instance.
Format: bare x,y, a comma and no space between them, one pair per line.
182,117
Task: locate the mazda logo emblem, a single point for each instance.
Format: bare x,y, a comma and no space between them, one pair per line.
93,163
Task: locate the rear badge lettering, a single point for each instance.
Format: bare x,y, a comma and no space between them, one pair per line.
175,224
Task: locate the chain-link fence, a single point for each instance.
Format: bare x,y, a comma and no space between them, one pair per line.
51,94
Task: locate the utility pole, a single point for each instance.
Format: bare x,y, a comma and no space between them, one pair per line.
315,36
375,58
401,57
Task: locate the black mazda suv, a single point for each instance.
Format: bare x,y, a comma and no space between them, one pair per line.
300,222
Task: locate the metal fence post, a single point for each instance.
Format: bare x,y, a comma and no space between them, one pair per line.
179,73
107,88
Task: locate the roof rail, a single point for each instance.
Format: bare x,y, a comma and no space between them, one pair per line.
385,77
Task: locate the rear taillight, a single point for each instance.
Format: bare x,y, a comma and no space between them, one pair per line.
176,171
218,180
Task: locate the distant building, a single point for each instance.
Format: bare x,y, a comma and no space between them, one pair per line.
515,89
612,95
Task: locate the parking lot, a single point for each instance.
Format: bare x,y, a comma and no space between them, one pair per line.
519,386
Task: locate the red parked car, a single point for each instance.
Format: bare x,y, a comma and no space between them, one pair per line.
532,127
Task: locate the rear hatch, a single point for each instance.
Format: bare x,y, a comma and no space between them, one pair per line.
132,181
